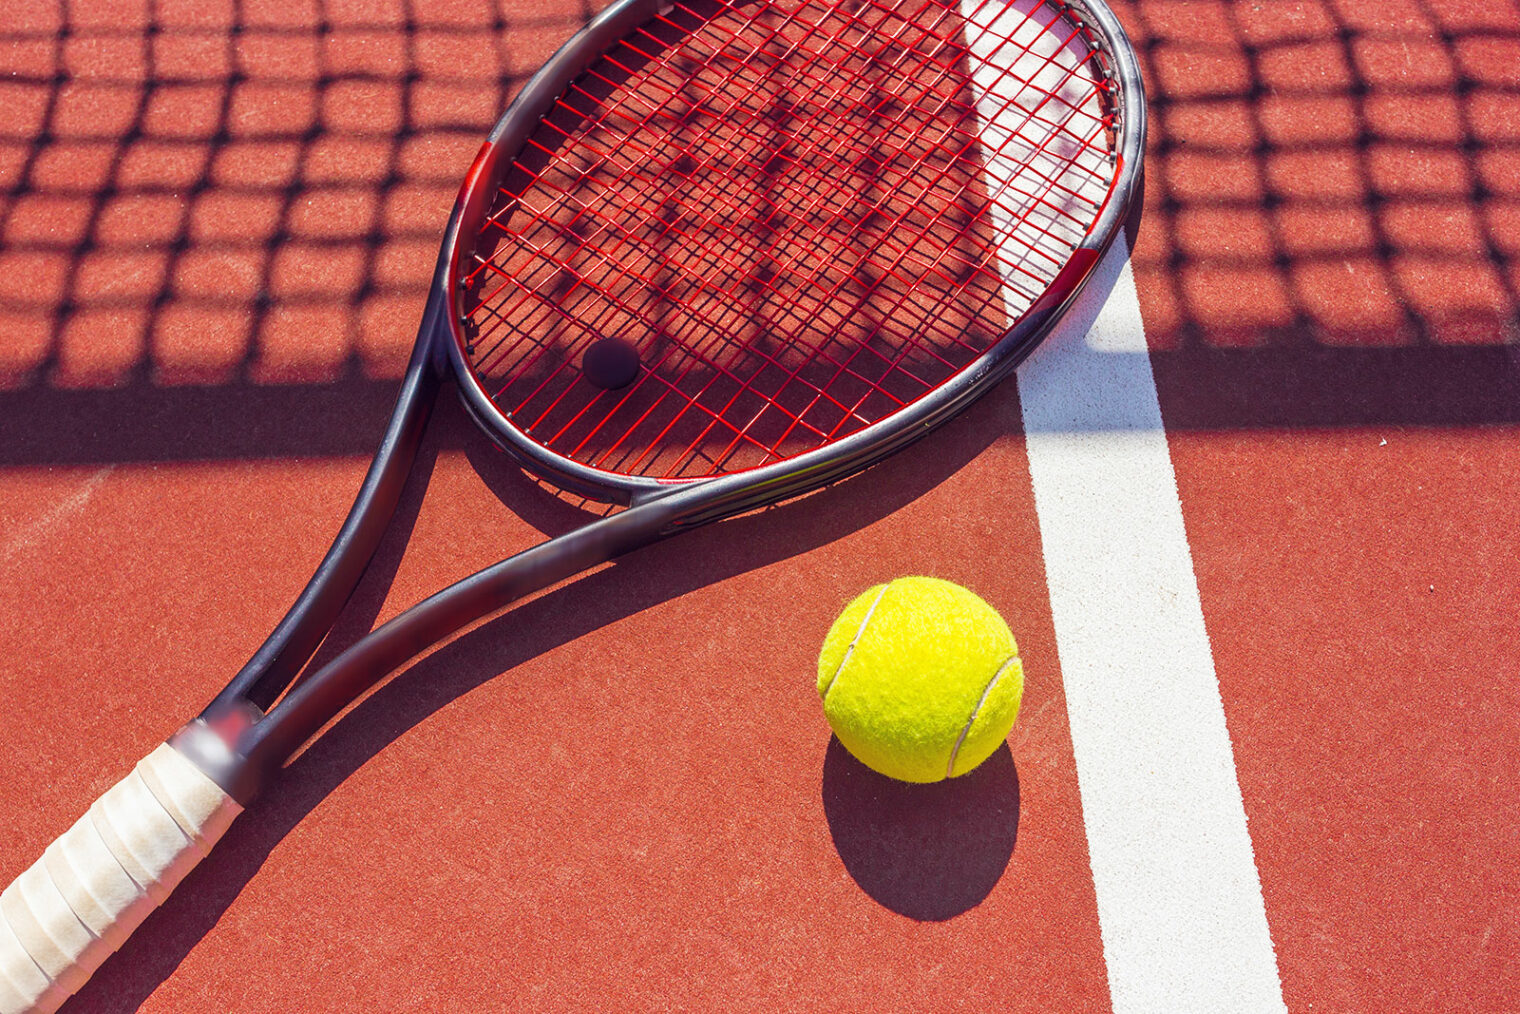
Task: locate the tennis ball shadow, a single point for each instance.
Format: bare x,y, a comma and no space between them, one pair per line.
929,852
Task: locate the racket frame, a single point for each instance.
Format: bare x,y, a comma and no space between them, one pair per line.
857,450
240,738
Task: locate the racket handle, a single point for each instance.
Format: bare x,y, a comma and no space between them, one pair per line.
93,886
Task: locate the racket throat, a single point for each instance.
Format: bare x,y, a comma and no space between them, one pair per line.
218,743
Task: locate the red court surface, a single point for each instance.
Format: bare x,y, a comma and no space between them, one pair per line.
218,219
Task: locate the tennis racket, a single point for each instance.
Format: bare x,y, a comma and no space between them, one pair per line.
714,255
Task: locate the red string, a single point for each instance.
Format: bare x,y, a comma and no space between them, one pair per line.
798,215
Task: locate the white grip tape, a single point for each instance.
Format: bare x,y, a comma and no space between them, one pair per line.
93,886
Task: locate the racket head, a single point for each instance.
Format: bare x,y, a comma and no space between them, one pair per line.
824,228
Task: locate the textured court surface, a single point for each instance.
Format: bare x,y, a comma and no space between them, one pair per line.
217,222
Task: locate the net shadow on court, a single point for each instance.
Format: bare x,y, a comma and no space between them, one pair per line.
216,231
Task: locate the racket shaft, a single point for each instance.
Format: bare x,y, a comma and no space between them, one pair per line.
316,700
93,886
309,620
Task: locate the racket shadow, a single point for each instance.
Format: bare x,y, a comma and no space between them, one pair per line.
652,575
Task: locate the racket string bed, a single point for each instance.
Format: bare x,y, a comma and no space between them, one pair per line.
758,353
762,224
824,394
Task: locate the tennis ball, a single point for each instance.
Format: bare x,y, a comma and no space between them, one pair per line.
920,679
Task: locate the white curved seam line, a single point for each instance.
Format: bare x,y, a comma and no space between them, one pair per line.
850,650
966,729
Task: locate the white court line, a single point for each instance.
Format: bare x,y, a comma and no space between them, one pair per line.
55,515
1179,899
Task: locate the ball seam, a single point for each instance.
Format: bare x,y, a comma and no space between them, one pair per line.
966,729
859,632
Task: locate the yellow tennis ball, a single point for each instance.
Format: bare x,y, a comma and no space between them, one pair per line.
920,679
